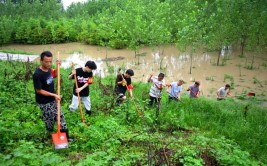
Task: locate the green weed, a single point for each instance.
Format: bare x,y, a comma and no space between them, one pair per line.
190,132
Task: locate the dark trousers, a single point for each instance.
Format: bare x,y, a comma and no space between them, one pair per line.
153,100
172,99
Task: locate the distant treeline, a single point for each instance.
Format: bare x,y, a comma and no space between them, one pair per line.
134,23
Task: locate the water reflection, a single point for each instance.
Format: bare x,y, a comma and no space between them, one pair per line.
174,64
79,60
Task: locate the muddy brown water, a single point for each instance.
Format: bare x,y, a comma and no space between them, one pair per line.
174,64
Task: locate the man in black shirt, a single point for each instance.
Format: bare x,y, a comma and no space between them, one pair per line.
123,83
84,77
43,80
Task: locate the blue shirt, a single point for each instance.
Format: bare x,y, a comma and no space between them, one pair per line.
175,89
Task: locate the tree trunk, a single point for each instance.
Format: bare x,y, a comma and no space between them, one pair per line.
242,49
218,59
252,62
191,62
106,50
243,43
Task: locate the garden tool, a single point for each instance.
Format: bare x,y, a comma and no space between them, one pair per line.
248,94
79,98
251,94
158,101
60,139
193,92
176,98
139,113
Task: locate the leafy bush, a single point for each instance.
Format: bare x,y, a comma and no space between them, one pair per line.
191,132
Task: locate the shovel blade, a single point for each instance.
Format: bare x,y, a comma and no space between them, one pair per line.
60,140
251,94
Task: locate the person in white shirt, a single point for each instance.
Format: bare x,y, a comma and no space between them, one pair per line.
155,92
175,91
223,92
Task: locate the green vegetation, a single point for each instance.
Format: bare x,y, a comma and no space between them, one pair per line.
18,52
133,24
231,78
211,78
192,132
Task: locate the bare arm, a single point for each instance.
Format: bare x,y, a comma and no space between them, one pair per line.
179,95
46,93
58,62
149,78
218,94
119,77
167,88
130,92
230,94
73,72
78,90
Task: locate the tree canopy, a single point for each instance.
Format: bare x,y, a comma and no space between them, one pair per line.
134,23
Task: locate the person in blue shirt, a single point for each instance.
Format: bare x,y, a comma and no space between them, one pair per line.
175,90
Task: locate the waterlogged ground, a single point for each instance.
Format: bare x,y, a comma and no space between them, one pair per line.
169,60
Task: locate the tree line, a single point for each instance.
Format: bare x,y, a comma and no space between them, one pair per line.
135,23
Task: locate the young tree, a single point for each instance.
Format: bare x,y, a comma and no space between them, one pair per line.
192,27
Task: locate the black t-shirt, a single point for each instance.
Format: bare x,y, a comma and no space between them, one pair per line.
120,88
82,78
43,80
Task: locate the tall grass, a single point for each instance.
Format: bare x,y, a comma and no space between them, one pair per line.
191,132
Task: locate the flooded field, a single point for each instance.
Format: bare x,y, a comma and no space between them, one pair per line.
174,64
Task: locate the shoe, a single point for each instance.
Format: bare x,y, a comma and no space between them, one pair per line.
89,113
70,139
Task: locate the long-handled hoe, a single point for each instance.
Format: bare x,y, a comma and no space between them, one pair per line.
157,106
79,98
139,113
59,139
249,94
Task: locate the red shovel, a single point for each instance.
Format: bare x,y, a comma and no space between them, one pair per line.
251,94
59,139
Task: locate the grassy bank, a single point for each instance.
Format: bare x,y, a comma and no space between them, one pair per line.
192,132
12,51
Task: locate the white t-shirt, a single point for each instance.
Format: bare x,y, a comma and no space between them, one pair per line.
175,89
223,92
154,91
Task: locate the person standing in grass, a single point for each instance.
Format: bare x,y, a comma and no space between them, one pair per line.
223,92
155,92
84,77
43,81
194,90
175,91
124,83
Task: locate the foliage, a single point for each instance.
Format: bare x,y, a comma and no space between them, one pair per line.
132,23
191,132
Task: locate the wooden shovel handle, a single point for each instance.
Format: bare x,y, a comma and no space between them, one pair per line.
58,93
78,94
